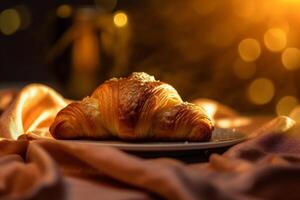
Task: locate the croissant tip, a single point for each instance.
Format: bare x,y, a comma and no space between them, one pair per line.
63,130
54,129
203,133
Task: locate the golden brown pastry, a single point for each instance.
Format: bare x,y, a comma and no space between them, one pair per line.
133,108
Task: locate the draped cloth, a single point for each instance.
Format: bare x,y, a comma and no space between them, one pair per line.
36,166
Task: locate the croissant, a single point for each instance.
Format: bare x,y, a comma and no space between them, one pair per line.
134,108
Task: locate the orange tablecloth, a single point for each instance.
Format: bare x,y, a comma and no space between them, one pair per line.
266,166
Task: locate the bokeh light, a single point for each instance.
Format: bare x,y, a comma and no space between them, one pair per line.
9,21
286,104
120,19
221,46
244,70
279,23
261,91
291,58
275,39
249,49
64,11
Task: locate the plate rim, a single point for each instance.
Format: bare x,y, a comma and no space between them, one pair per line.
162,147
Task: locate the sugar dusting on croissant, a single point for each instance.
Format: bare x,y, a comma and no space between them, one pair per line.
133,108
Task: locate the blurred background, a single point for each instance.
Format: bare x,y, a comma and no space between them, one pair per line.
245,54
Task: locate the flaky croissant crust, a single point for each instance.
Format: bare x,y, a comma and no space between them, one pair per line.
133,108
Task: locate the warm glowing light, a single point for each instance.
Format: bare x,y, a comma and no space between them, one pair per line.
9,21
210,108
244,70
64,11
205,8
222,36
295,114
291,1
85,56
120,19
249,49
281,24
286,104
261,91
233,123
5,100
214,109
275,39
244,9
250,9
291,58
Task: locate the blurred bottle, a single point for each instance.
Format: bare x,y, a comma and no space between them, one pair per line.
91,49
85,54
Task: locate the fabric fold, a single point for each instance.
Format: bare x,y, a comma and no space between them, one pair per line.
27,171
33,110
36,166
